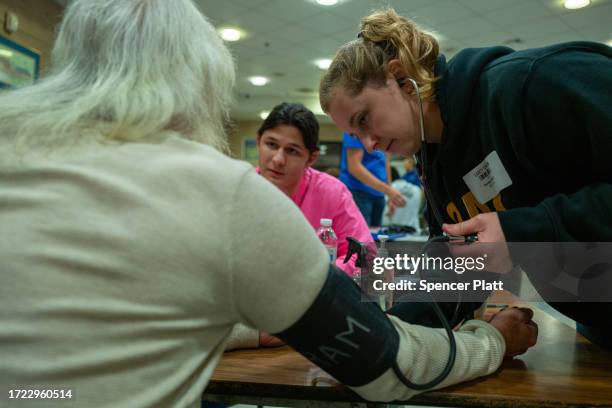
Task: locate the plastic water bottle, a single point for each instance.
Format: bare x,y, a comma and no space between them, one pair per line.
385,300
327,235
383,252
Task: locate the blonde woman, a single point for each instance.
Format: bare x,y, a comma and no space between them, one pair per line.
489,127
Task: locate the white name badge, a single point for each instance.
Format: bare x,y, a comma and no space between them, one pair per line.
487,179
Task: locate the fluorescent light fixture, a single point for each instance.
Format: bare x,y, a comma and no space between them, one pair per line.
230,34
6,53
264,114
258,80
323,63
327,2
576,4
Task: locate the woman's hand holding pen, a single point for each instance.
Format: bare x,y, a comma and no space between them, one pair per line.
491,241
486,226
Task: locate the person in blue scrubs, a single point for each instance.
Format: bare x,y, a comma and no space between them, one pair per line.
367,176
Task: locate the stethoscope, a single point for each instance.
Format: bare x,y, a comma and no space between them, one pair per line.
422,159
423,164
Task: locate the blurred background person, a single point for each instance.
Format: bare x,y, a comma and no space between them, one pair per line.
411,175
410,214
368,177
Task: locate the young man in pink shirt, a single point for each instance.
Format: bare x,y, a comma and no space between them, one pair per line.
287,142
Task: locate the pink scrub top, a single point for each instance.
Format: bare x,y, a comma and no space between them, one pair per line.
320,195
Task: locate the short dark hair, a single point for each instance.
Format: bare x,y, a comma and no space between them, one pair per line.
297,115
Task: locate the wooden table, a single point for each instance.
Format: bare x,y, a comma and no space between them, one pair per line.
562,370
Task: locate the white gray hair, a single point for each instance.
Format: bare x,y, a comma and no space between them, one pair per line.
126,70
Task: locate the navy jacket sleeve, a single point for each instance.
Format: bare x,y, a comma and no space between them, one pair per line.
567,121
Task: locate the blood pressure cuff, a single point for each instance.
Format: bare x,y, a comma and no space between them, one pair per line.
354,341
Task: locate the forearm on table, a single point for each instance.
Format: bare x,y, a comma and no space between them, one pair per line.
423,355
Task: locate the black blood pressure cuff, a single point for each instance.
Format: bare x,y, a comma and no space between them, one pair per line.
354,341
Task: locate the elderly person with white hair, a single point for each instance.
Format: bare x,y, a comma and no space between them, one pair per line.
131,246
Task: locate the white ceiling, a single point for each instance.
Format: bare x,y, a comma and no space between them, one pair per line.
284,37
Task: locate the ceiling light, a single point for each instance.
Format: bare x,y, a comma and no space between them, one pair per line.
323,63
264,114
576,4
230,34
258,80
327,2
6,53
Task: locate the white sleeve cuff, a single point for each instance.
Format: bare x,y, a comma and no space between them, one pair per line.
242,337
423,354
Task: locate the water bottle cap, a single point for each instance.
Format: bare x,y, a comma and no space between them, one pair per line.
326,222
